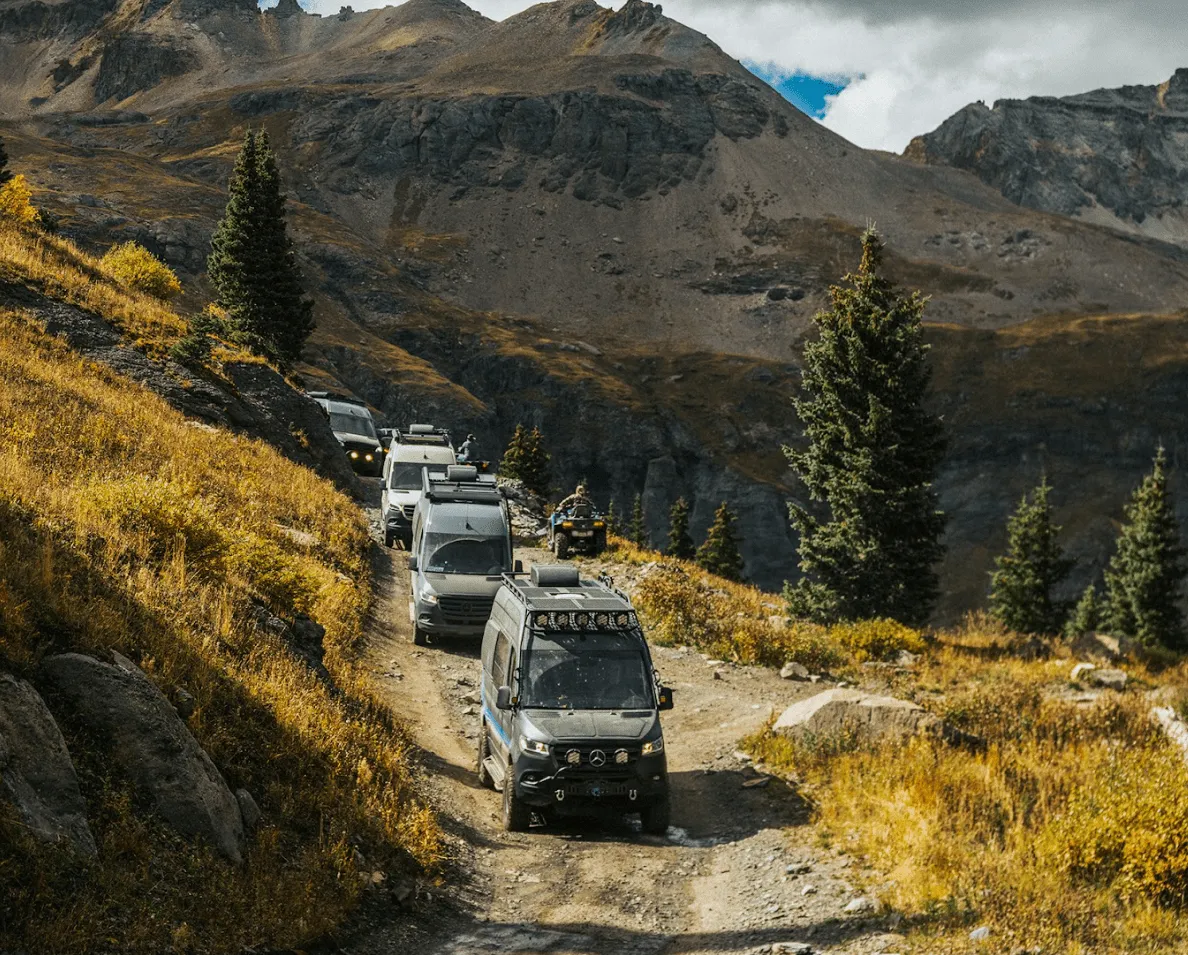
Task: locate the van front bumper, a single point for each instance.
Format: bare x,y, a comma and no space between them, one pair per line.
540,783
431,619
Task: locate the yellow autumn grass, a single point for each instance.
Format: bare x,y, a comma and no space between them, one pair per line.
124,526
56,267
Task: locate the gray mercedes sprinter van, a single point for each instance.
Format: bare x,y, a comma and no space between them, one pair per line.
570,702
461,548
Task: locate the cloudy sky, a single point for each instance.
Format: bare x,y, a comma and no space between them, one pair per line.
881,71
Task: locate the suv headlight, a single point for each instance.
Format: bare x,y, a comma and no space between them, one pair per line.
653,746
534,746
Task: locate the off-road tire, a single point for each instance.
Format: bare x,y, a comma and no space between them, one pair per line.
420,638
561,546
599,543
655,818
516,816
389,539
484,750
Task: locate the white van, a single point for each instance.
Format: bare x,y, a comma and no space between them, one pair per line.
409,455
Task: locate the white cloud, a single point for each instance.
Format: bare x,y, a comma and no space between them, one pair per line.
916,62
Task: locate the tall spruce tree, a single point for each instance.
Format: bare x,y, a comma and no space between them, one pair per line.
252,263
5,172
1146,574
680,544
535,470
1033,565
719,552
871,456
512,465
637,530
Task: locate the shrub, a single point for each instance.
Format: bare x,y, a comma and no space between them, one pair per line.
15,201
877,639
134,267
282,580
160,522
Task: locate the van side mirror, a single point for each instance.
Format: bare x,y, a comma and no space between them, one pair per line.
664,698
503,698
518,567
412,564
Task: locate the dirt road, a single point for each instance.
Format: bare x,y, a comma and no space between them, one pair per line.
737,872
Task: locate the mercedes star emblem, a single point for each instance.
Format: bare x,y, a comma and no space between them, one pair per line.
598,758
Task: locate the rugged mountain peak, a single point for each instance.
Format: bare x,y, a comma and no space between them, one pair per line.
287,8
636,16
1112,156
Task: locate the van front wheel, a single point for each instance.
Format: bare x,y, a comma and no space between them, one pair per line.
654,819
516,816
420,638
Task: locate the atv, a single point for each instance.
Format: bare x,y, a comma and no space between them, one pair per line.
578,529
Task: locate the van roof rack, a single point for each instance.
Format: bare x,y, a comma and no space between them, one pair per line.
460,484
423,434
345,399
549,589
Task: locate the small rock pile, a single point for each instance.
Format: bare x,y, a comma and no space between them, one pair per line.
529,511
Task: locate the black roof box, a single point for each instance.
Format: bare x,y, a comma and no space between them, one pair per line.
555,575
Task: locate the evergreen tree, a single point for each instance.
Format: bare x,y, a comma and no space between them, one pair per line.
1147,570
612,518
1086,615
680,544
637,530
871,456
535,469
252,263
514,458
719,553
1034,564
5,174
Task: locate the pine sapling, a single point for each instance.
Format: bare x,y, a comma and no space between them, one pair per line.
680,544
719,554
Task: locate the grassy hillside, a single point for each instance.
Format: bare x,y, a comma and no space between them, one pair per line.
1066,833
124,526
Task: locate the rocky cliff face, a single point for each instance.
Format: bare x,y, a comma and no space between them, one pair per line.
1110,156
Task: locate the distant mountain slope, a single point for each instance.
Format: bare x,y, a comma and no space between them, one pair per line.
1116,157
590,220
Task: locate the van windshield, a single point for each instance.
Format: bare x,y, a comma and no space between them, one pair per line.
352,424
586,671
451,554
405,477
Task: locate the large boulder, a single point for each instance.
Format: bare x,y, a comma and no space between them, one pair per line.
840,710
37,777
1174,727
152,745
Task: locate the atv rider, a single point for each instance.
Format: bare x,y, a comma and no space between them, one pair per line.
468,452
579,496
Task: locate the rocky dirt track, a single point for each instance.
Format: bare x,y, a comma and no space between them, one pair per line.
738,872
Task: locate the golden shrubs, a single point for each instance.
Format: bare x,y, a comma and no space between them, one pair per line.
876,639
136,268
728,621
15,201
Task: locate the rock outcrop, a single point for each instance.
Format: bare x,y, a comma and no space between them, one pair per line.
1119,152
838,711
138,61
37,776
152,747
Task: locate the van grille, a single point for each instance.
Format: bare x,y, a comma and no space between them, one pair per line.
408,511
608,750
466,610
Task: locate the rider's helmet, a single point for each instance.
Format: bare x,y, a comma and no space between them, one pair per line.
581,490
470,437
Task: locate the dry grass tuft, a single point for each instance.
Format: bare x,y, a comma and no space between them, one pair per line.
123,526
135,268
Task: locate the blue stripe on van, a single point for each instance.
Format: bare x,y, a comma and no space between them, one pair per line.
492,719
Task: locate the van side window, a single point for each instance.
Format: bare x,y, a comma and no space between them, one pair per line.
499,665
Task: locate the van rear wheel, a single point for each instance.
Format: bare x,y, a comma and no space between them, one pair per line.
516,816
561,546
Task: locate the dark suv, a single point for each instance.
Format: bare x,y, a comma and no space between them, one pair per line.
354,427
570,702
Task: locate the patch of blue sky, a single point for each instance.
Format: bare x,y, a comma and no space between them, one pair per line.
809,94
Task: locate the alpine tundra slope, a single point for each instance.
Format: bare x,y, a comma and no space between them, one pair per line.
734,872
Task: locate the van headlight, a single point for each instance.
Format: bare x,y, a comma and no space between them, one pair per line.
429,597
653,746
534,746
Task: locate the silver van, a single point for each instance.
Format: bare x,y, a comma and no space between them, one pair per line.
412,452
570,702
461,548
